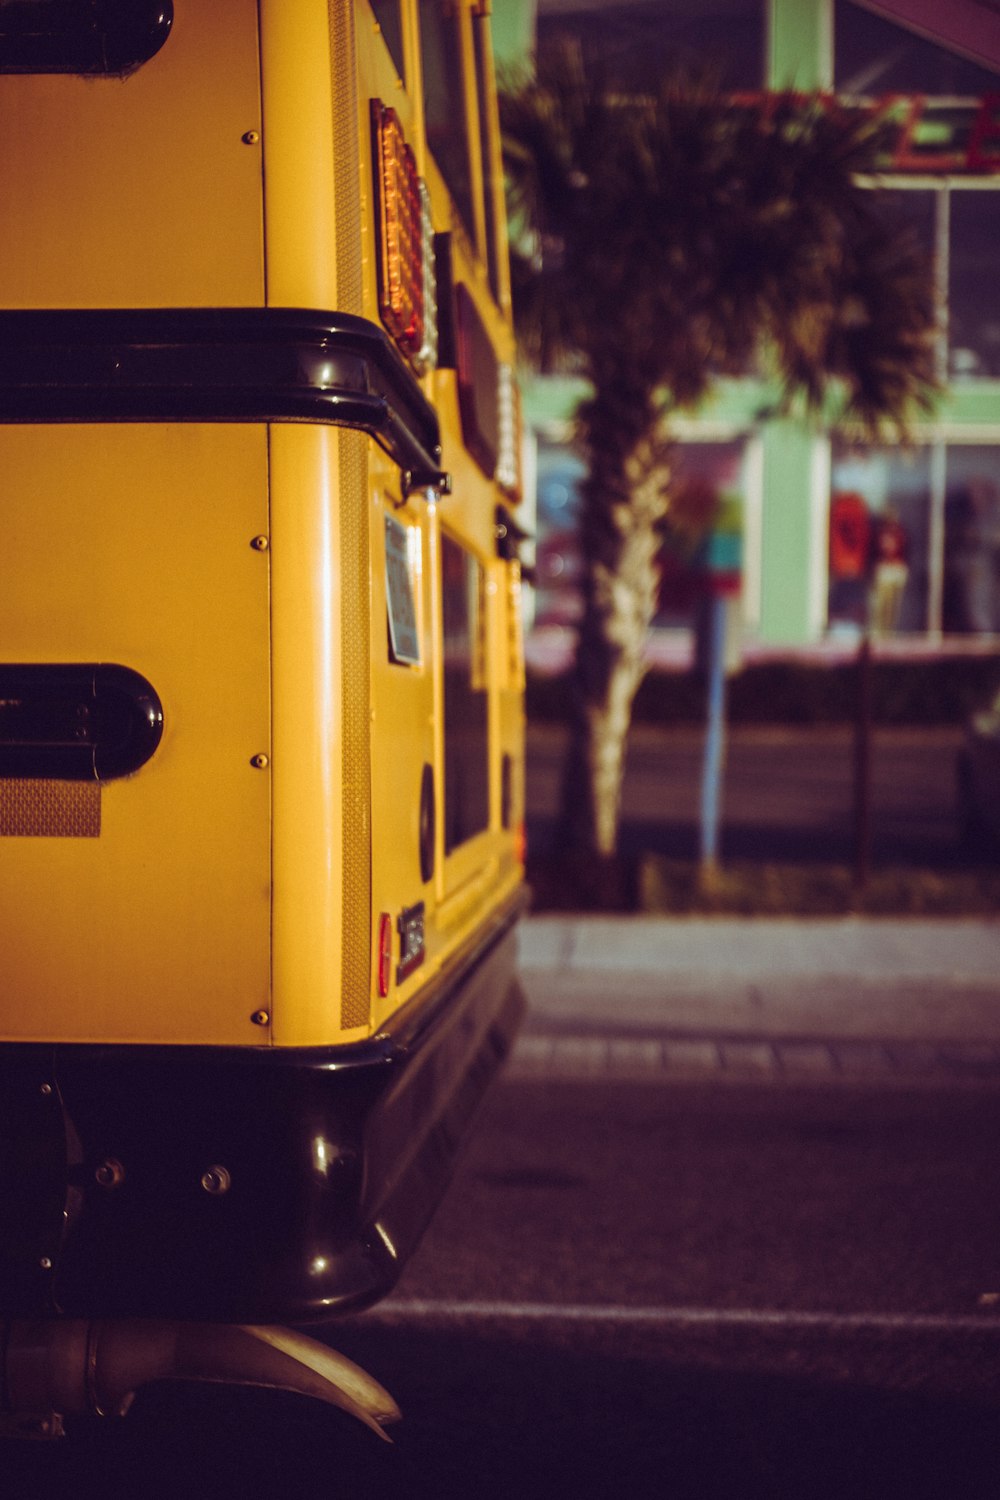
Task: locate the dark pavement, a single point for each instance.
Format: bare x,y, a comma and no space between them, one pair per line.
662,1290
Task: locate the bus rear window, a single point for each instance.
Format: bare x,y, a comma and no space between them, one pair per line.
91,37
390,23
466,743
445,101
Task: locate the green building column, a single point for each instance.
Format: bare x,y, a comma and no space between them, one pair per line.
800,44
796,469
513,25
794,531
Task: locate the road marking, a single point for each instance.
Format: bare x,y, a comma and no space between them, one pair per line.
417,1309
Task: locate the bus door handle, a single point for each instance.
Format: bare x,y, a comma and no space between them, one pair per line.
76,721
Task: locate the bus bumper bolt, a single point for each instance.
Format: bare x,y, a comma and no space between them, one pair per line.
216,1180
111,1173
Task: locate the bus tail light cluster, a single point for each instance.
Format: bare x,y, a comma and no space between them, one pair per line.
405,243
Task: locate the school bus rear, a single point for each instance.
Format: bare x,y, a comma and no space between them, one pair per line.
260,672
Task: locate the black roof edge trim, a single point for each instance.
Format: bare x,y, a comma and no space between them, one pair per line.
261,364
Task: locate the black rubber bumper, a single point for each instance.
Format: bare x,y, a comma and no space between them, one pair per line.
242,1184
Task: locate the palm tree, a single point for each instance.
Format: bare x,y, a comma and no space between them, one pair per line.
666,241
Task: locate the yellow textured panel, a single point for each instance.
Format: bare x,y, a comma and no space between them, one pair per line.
346,157
50,809
356,748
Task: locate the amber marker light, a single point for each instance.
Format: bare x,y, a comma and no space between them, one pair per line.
510,433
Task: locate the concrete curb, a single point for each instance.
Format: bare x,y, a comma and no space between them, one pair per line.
959,950
856,980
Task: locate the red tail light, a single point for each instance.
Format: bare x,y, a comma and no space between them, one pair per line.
384,954
400,232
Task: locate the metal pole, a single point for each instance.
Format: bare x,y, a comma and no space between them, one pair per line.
715,735
863,765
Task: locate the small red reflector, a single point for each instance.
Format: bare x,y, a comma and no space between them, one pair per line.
384,954
521,843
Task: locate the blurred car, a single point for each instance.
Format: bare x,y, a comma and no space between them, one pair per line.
978,778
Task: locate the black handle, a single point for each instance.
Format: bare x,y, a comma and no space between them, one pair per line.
76,722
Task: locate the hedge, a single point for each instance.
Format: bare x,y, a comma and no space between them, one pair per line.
938,691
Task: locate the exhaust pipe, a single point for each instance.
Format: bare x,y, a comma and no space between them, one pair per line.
55,1369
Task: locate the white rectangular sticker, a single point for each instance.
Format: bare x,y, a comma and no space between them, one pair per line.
403,636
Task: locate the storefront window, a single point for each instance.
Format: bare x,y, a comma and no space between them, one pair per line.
972,540
704,531
703,542
641,43
880,510
974,286
558,563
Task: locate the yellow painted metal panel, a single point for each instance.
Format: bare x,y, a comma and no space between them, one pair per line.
322,63
298,153
132,545
140,192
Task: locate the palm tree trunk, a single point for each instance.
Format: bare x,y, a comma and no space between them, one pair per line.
624,501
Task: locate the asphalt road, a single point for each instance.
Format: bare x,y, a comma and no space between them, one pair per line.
646,1289
787,794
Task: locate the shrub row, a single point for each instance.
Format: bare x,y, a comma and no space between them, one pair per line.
942,690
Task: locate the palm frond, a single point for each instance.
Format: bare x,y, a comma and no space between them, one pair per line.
667,238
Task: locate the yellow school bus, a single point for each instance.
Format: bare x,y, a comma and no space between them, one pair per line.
261,786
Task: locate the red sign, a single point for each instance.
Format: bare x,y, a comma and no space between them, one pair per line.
925,135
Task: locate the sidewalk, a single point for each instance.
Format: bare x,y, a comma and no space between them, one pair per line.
837,996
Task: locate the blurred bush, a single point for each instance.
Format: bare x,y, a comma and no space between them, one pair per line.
943,690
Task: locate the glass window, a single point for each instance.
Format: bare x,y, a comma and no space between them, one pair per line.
640,41
873,56
880,508
704,526
387,14
707,502
972,539
466,741
481,35
974,287
445,101
913,210
558,561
